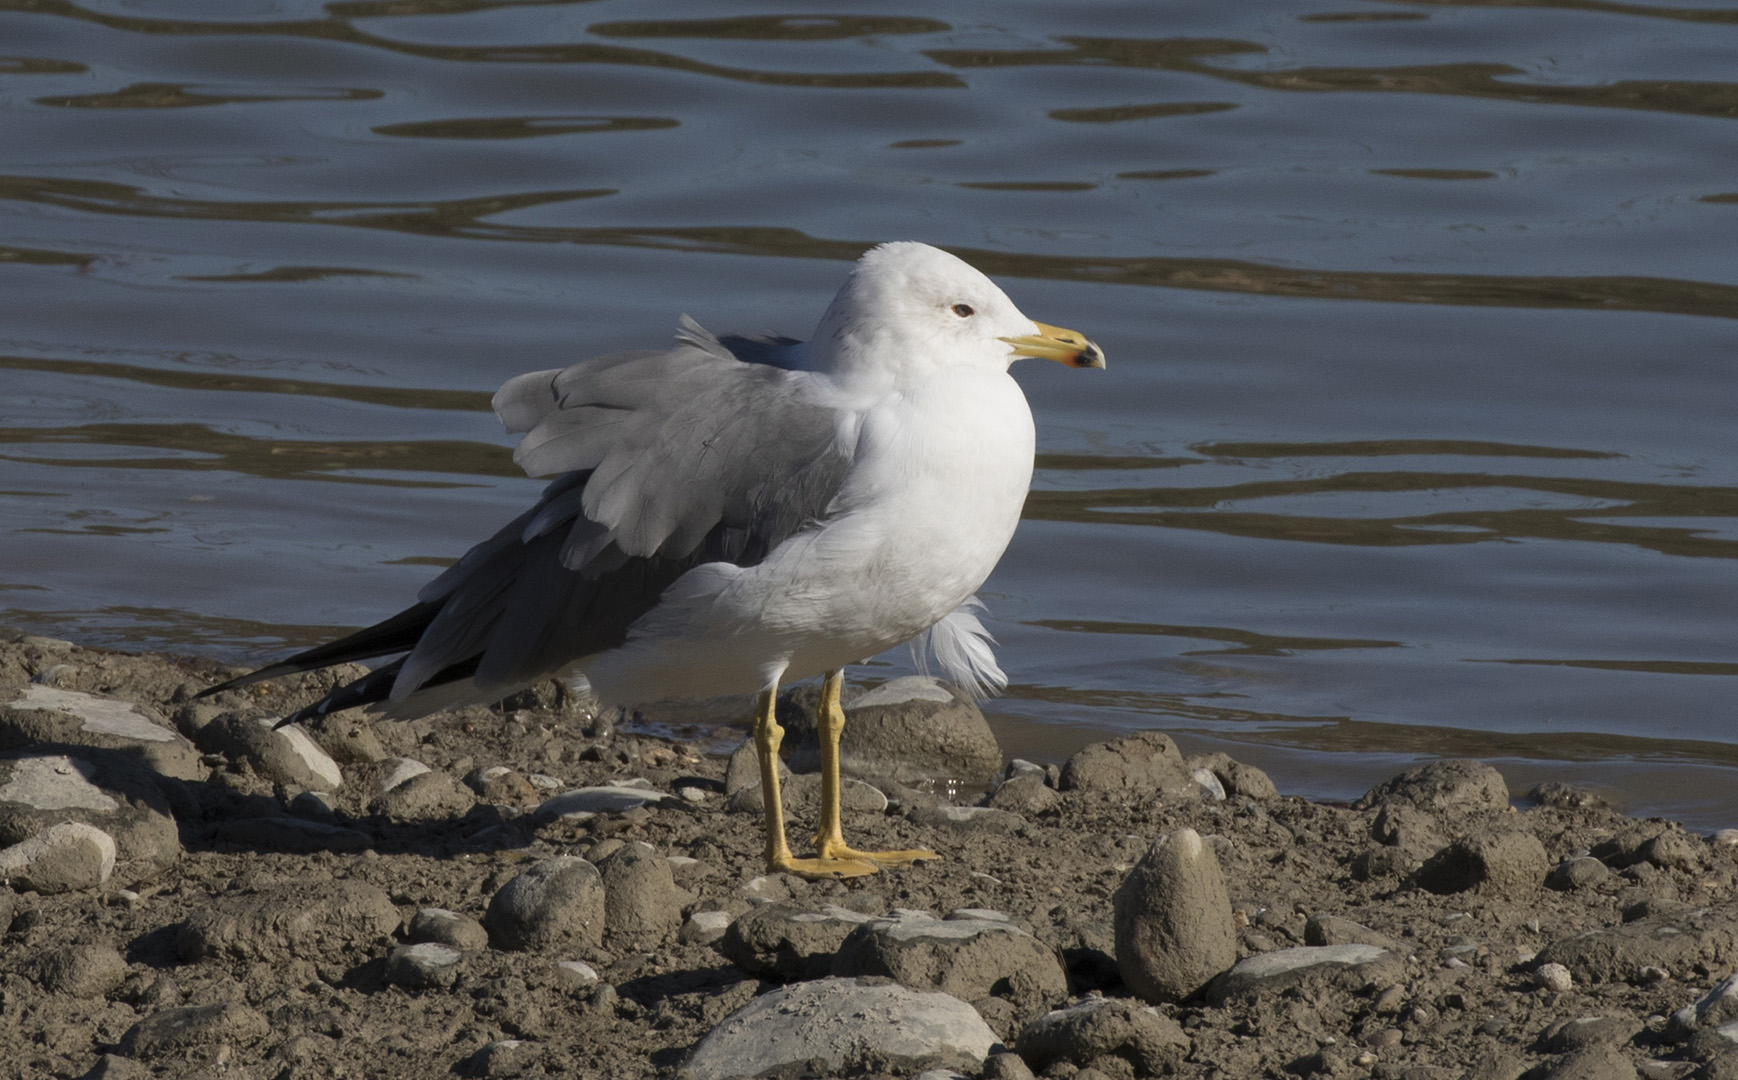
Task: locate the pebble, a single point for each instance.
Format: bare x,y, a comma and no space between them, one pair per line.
1237,780
799,1027
1172,920
1272,973
788,942
557,903
426,964
1580,872
576,975
503,1057
705,927
1026,793
438,925
90,970
502,786
1499,858
1553,977
422,796
603,799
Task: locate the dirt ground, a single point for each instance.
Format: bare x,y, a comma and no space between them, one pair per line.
1473,922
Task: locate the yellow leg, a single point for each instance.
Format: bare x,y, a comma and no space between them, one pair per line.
829,837
767,737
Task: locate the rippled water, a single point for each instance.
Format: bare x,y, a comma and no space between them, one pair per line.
1417,436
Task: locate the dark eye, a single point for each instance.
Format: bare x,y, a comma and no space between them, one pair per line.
964,311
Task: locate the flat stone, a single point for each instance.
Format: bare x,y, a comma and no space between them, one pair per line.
42,715
302,918
1718,1006
293,835
1452,785
194,1025
967,819
1106,1027
1334,930
841,1026
445,927
603,799
61,858
1147,763
1270,973
1172,915
396,772
705,927
426,964
557,903
576,975
787,942
970,958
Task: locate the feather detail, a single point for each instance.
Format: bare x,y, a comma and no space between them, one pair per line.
962,647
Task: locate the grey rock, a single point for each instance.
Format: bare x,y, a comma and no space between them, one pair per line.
787,942
557,903
396,772
1664,844
1592,1063
190,1026
1452,785
41,715
1006,1066
908,730
1718,1006
970,958
61,858
890,1028
423,796
1173,922
576,976
1587,1031
742,772
1677,941
448,928
282,755
503,1057
1334,930
1340,966
90,970
106,790
642,906
1501,859
1027,794
302,918
293,835
1150,1042
967,819
1147,763
426,964
1238,780
705,927
1580,872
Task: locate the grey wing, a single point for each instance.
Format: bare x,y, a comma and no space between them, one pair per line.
663,461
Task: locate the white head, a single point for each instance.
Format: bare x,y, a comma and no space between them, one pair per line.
908,309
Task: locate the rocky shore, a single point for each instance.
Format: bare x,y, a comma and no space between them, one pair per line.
536,890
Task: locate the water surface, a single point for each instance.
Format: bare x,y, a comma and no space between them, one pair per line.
1416,439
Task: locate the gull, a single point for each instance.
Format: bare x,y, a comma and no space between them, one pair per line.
737,512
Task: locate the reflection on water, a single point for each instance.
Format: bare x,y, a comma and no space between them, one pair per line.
1416,438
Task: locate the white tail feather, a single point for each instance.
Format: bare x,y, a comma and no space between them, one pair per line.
961,646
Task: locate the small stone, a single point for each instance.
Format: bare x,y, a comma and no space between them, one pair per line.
1209,783
88,971
603,799
504,1057
969,958
705,927
282,755
1580,872
1553,977
576,975
424,965
1498,859
967,819
445,927
786,942
1239,781
557,903
501,786
396,772
1333,930
61,858
422,796
1307,966
1106,1028
1027,793
642,906
1174,930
